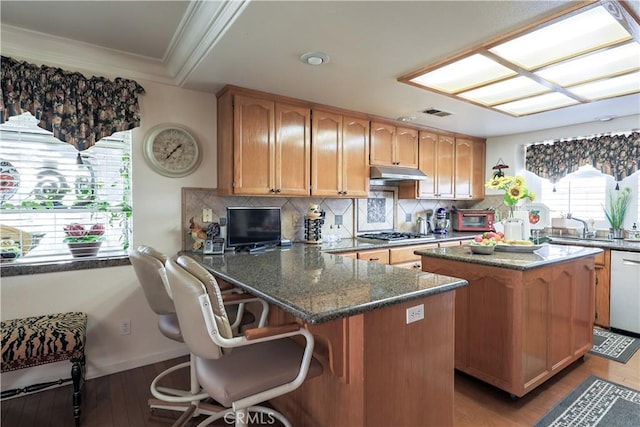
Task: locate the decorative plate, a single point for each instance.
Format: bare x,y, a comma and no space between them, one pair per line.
9,180
505,247
539,216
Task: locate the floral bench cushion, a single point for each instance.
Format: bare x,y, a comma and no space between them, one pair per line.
38,340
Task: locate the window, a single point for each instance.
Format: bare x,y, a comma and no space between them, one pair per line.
582,193
44,188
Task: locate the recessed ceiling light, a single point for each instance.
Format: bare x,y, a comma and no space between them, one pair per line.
314,58
606,118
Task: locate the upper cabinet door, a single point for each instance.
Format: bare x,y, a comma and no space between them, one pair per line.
470,168
446,167
406,151
464,168
326,155
355,157
253,146
479,167
292,150
383,139
428,164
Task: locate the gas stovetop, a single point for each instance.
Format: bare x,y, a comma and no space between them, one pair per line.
396,236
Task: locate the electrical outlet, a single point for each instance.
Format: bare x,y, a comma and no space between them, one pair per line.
407,217
125,327
415,313
337,219
207,215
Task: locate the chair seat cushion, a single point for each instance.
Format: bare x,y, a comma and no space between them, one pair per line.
37,340
252,369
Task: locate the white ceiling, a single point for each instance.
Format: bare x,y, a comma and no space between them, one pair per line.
205,45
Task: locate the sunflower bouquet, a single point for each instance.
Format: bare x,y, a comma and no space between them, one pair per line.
514,189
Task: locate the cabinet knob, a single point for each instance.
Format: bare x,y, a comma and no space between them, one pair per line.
278,190
271,190
374,259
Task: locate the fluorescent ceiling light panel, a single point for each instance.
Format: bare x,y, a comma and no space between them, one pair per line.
456,76
537,104
617,86
605,63
507,90
588,54
578,34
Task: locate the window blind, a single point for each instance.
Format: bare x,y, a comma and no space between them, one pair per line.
582,197
45,188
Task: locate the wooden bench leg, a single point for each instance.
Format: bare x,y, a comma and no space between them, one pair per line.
77,375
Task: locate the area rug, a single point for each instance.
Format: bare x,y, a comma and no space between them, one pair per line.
596,402
614,346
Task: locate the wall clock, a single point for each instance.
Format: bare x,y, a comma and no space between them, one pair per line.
171,150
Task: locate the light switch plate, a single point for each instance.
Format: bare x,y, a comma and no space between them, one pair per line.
207,215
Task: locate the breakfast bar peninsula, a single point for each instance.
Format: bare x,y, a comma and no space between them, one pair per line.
524,316
384,334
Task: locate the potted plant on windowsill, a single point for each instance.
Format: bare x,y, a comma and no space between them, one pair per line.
83,242
617,211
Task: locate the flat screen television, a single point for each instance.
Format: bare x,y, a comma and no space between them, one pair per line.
253,227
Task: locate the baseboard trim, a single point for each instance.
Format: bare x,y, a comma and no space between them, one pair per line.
101,371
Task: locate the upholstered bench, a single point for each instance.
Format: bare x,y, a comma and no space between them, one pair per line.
46,339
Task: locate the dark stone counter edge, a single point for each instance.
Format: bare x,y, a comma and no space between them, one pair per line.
9,270
486,261
314,319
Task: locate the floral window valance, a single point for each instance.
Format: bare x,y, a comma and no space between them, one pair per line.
616,155
78,110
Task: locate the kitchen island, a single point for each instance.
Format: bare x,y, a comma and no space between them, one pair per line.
524,316
384,335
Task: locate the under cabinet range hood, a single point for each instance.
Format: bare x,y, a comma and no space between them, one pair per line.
389,174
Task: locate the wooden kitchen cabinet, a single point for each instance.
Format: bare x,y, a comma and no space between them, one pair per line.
264,146
515,329
340,151
454,167
393,146
437,161
469,169
379,256
603,288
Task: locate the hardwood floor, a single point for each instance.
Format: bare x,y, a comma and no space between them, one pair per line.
120,400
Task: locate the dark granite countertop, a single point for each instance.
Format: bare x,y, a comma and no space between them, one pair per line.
616,244
317,286
545,255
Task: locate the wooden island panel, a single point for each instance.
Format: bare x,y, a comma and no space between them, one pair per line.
517,328
378,370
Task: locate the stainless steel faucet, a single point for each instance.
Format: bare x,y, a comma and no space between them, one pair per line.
585,230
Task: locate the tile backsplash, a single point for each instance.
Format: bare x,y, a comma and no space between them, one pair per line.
401,215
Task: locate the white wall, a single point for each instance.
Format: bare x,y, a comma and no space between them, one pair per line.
109,295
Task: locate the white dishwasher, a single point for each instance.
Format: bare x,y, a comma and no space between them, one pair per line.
625,291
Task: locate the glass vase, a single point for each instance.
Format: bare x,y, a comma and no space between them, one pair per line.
513,227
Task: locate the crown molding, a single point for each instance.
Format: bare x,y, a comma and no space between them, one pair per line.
203,24
46,49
